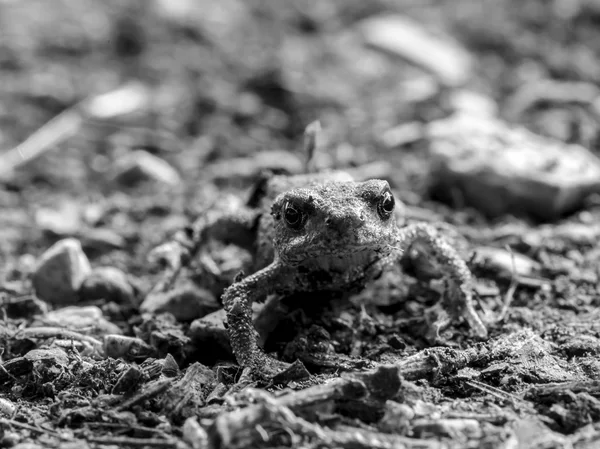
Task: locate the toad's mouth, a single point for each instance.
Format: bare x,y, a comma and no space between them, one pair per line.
340,262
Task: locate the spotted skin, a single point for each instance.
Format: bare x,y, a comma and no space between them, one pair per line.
323,232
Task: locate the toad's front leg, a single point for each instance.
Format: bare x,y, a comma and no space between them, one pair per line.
237,301
458,294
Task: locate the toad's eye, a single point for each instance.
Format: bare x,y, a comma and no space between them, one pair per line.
292,215
386,204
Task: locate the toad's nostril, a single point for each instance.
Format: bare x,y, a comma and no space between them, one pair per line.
342,223
336,222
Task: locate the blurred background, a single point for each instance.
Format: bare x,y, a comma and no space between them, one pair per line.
121,119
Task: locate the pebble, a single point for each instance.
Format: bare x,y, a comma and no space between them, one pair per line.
62,221
27,446
102,240
140,166
60,272
501,169
194,434
210,330
186,302
107,283
87,319
7,408
475,103
400,36
45,356
502,261
129,348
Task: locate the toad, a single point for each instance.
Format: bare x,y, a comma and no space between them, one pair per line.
323,232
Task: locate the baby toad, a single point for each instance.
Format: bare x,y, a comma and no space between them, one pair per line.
322,232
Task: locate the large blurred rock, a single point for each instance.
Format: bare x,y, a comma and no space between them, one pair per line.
60,271
501,169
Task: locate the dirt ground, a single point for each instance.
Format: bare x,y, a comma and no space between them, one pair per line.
221,91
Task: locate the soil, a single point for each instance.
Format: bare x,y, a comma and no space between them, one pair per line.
223,84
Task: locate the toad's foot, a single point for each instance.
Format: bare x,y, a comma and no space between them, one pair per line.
237,301
457,301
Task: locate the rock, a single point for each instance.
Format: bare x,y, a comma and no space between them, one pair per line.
194,434
60,272
581,346
107,283
87,320
7,408
208,331
401,37
101,240
27,446
46,357
186,302
501,261
62,221
140,166
129,348
470,102
501,169
402,135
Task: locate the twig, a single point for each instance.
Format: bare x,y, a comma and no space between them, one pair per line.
514,282
120,101
157,388
57,332
126,441
13,423
61,127
501,394
312,134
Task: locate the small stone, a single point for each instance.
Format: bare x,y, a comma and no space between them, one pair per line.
194,434
88,320
76,444
186,302
107,283
140,166
101,240
402,135
55,356
62,221
210,332
27,446
505,262
469,102
401,37
7,408
60,272
210,328
10,439
581,346
501,169
129,348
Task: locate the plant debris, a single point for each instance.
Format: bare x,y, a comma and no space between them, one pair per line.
123,122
